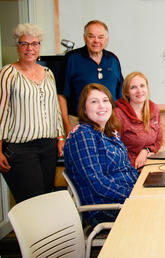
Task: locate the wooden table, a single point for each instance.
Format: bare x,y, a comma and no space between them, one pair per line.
139,230
139,190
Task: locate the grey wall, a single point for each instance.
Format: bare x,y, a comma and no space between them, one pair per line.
9,18
41,12
11,13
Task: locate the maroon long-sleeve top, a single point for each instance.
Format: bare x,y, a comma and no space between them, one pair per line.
133,133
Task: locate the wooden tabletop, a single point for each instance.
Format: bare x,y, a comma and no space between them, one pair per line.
139,230
139,190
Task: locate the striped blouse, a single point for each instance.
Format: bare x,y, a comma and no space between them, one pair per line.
28,111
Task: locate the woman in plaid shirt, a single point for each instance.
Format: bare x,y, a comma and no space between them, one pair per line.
96,160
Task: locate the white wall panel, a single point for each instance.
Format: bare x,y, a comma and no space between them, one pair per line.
136,34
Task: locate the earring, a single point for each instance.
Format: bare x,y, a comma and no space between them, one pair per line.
38,59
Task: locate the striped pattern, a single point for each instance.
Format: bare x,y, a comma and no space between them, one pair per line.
28,111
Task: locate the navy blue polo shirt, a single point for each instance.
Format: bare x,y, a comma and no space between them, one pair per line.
81,70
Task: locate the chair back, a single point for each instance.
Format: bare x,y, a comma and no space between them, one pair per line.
48,225
72,190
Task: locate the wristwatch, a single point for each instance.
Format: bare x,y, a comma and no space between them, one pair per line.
148,149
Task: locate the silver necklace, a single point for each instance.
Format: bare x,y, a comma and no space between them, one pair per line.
100,75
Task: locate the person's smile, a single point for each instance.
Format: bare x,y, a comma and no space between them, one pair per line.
98,107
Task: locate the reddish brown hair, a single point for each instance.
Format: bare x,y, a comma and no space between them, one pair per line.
112,124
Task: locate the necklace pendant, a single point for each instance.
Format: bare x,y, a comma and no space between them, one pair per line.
100,76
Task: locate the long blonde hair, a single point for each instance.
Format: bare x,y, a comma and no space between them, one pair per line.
125,93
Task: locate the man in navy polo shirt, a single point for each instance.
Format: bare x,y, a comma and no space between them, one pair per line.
91,63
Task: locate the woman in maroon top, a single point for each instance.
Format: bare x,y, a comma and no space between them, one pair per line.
141,129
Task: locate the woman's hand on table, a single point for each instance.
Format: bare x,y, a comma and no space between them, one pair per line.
141,158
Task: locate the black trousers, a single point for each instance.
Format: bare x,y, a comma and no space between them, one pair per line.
33,167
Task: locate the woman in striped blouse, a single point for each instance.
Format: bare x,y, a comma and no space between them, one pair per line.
30,119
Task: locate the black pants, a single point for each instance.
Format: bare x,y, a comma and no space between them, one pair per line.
33,167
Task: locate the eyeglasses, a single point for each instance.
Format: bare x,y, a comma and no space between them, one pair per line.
100,75
25,44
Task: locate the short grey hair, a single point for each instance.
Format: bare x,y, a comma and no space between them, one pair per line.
28,29
97,22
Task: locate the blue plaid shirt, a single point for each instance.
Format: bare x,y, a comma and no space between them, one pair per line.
99,166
